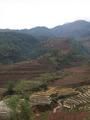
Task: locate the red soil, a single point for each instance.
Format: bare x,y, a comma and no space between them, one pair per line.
31,70
67,81
69,116
76,75
22,71
76,69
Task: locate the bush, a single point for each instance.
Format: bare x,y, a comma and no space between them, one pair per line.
25,111
20,107
10,88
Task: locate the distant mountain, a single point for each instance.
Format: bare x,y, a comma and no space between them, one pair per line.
19,45
77,29
41,33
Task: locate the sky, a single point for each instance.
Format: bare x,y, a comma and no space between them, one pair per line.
20,14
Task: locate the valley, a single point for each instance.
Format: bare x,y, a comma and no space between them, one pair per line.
45,73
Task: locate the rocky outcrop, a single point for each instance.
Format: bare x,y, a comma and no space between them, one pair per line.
5,111
39,100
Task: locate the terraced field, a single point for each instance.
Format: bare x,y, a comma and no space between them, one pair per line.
40,98
79,101
74,106
32,69
76,76
22,71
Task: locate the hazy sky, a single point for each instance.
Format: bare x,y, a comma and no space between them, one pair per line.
30,13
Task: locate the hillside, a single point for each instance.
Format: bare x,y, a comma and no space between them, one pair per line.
63,52
77,76
57,54
45,73
26,70
65,98
16,46
86,43
41,33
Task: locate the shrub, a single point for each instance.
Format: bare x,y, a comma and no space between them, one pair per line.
10,88
20,107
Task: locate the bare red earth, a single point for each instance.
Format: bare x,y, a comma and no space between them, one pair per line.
69,116
76,75
22,71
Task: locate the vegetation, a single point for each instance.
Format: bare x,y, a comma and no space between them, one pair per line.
15,46
31,86
20,108
10,88
54,73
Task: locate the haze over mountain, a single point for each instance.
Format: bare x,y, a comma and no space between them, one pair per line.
19,45
76,29
39,32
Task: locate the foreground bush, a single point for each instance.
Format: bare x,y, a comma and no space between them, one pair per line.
20,107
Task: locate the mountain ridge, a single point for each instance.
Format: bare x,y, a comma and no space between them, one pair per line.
76,29
18,45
